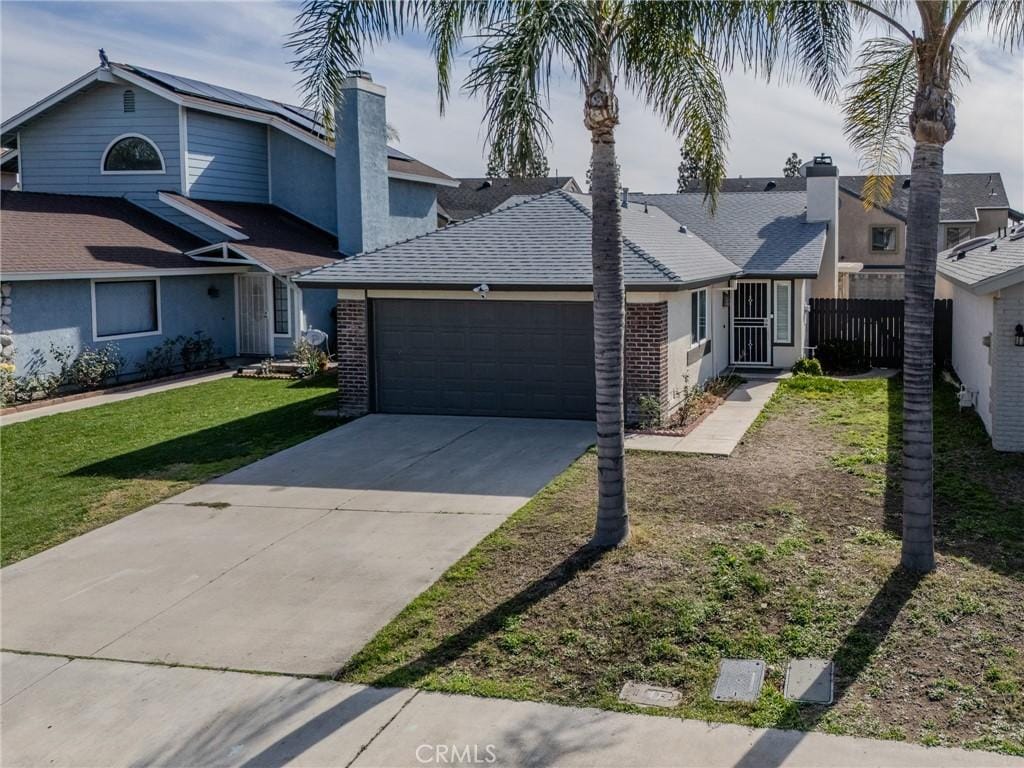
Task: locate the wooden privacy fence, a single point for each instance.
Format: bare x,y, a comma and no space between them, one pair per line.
877,325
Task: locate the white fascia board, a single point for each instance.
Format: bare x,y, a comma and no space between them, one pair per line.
200,255
424,179
202,218
104,274
54,98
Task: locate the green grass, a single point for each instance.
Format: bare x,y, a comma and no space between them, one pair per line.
788,549
68,473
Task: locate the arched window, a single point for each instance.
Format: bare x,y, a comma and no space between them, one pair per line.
129,100
132,153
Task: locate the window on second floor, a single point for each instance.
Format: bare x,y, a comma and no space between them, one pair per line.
132,154
883,239
958,234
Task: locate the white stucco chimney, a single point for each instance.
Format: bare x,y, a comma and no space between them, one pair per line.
823,205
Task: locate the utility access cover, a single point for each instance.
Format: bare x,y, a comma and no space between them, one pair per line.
809,680
650,695
739,680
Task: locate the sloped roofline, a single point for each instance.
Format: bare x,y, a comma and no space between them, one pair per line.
121,72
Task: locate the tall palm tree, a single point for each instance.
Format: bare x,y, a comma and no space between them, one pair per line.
669,54
903,92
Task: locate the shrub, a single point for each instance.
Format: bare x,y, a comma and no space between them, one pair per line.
8,384
197,351
86,370
807,366
187,353
312,359
649,408
842,356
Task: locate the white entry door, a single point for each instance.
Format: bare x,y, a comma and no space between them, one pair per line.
254,317
751,323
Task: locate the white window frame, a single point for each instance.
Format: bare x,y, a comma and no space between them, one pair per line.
790,315
103,159
273,308
696,341
159,312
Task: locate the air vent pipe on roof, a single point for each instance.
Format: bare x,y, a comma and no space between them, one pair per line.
625,197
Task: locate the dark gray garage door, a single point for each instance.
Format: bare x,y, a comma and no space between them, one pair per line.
484,357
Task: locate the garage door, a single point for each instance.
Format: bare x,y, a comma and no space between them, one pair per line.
484,358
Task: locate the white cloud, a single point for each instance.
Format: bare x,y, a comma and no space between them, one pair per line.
45,45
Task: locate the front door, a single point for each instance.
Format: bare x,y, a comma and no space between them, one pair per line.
751,323
254,329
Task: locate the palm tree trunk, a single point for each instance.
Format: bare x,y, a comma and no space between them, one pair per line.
918,356
601,116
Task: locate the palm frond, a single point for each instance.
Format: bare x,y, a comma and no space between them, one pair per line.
1005,22
511,69
329,41
683,84
876,111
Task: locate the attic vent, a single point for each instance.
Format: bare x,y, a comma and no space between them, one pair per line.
906,183
770,186
129,100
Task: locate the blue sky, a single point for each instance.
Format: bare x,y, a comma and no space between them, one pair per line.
46,44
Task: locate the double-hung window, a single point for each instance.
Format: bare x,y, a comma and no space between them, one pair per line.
783,312
125,308
699,316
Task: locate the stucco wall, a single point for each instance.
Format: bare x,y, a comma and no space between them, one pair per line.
682,374
972,322
302,180
855,225
413,209
60,312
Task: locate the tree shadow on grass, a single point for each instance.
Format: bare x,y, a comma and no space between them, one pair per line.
221,447
852,657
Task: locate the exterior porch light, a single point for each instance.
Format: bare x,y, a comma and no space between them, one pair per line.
1018,336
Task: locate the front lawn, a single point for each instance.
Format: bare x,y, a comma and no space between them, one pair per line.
71,472
788,549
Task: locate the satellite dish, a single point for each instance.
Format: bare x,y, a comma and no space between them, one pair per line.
314,336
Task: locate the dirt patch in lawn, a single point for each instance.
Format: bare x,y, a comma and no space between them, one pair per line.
784,550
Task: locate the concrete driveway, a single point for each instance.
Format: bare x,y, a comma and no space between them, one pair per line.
292,563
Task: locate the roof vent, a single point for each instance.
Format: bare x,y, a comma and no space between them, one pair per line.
970,245
906,183
1017,232
683,229
486,184
129,100
362,74
625,197
770,186
823,159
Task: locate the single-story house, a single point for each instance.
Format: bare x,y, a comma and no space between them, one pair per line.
985,279
493,315
151,205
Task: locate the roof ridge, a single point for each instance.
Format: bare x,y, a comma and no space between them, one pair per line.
643,254
422,235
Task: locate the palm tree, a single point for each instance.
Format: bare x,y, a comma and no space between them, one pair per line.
904,90
668,54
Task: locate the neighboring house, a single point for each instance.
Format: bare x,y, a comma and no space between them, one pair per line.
872,242
254,189
8,168
985,279
493,315
475,196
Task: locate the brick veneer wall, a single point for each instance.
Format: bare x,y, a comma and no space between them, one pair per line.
646,356
1007,372
353,362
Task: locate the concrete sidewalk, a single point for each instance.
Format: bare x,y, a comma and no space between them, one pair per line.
113,397
88,712
720,432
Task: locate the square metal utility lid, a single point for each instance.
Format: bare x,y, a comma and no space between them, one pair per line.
739,680
650,695
810,681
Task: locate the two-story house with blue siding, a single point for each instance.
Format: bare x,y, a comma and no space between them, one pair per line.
149,205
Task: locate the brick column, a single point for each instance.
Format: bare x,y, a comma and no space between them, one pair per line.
646,357
353,360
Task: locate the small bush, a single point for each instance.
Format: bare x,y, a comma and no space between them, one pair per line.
842,356
88,369
807,366
186,353
8,384
650,411
312,359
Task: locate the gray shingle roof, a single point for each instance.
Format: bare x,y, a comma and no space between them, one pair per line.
480,195
985,269
962,193
542,242
761,233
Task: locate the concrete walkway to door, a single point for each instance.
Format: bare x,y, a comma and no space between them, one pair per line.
292,563
722,430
